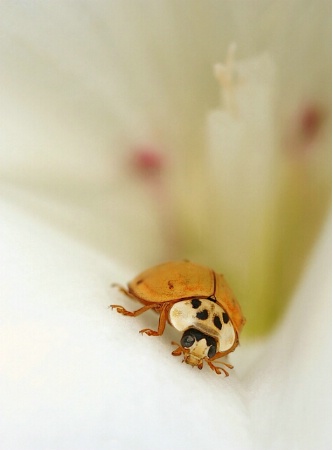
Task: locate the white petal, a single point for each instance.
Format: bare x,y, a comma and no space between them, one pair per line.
79,376
289,384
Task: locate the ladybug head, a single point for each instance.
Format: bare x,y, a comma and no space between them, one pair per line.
197,347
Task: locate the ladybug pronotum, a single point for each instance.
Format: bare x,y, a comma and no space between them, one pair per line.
194,300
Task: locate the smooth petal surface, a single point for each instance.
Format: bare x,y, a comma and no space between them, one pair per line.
290,387
289,381
75,375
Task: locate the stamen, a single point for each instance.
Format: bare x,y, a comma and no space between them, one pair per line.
227,76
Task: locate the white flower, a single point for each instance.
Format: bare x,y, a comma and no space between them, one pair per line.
113,141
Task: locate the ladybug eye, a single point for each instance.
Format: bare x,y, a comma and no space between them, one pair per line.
187,341
212,351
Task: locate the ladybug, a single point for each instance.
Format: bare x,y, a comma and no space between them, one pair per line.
196,301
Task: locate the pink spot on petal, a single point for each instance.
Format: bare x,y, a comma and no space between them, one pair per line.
304,129
310,119
147,160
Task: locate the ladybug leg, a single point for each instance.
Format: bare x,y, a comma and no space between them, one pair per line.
123,290
121,310
179,351
218,369
161,323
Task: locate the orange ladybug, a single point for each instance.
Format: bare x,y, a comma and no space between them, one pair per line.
194,300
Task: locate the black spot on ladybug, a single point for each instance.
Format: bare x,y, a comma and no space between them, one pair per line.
217,322
196,303
202,315
171,286
225,317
